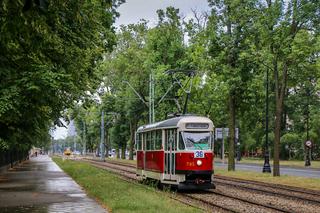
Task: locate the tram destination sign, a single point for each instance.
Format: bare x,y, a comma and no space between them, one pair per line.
197,125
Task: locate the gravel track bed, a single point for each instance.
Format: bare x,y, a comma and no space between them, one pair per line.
289,205
271,185
280,193
232,204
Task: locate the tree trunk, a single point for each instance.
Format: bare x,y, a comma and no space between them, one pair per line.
123,151
280,88
277,130
232,124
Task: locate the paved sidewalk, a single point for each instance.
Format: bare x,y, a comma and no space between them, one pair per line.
39,185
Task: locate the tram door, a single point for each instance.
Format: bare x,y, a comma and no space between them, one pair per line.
170,147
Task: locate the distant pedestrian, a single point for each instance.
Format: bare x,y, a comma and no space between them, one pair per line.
36,154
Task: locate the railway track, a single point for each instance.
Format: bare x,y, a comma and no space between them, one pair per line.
129,169
207,200
311,196
279,192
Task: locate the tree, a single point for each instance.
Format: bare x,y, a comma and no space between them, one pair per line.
280,24
124,67
231,28
49,55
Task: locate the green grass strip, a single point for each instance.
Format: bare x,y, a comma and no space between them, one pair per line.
119,195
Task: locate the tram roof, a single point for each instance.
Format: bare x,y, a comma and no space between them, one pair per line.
173,122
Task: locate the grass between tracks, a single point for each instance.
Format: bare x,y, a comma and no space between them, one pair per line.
119,195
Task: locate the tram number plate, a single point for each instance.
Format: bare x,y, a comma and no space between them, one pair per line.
198,154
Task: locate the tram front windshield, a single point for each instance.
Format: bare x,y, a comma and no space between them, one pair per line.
196,140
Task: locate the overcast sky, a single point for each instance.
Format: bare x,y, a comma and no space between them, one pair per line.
134,10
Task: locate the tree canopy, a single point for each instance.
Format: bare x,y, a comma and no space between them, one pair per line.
50,51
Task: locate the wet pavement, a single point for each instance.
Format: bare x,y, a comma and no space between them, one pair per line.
39,185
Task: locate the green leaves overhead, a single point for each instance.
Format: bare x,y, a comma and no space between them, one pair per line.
49,51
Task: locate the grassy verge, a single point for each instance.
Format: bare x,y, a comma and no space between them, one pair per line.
308,183
117,194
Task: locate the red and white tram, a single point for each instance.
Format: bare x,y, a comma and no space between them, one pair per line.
177,151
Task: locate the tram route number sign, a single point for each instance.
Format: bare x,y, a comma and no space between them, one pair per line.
198,154
308,143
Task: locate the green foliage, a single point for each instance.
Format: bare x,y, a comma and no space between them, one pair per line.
49,55
290,145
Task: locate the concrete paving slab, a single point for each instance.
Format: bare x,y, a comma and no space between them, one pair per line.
39,185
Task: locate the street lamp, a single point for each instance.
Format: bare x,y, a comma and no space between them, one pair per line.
266,165
238,151
84,152
102,156
308,143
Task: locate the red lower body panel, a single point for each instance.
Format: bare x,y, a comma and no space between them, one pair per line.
186,162
154,161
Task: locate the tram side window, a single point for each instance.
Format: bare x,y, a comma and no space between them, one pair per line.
181,142
148,140
138,139
158,140
171,138
174,135
144,140
166,139
153,139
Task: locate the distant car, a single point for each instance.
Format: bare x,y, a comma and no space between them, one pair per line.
76,153
67,152
112,152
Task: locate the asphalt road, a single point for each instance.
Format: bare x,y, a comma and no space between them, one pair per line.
300,172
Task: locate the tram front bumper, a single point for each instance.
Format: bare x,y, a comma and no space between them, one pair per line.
192,186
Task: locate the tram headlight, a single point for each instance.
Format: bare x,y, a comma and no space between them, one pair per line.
199,162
